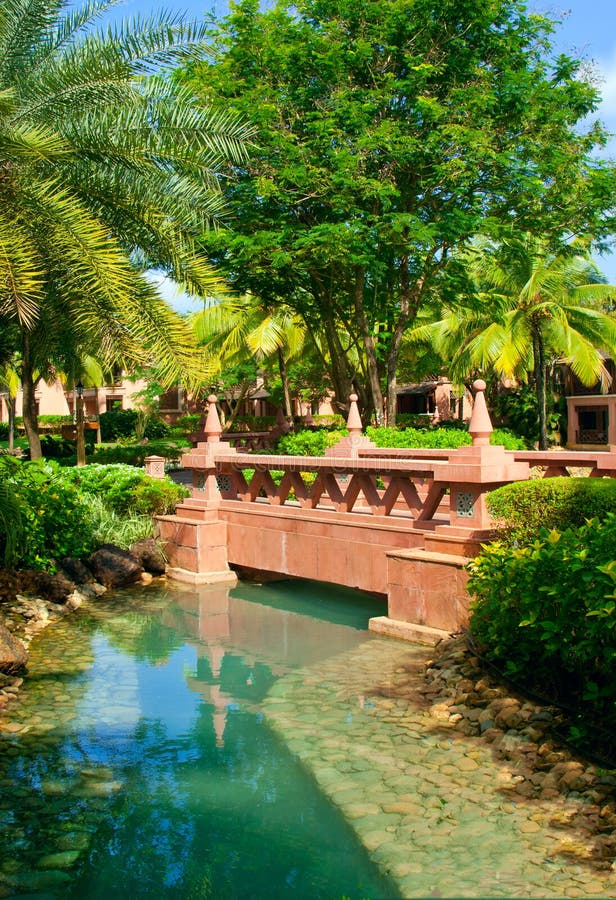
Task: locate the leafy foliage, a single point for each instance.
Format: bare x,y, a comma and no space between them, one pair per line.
48,512
415,437
388,135
111,527
308,443
106,173
524,507
127,489
55,521
546,614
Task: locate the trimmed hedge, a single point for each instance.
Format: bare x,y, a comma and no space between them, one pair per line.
521,509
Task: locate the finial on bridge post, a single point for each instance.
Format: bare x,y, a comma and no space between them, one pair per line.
480,426
213,428
354,420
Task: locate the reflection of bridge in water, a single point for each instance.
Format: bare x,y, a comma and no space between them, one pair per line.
243,646
402,524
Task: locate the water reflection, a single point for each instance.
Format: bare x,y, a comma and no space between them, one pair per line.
148,769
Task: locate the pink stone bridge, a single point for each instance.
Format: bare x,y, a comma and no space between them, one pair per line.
402,524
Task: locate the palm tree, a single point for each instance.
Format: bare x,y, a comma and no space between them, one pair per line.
106,170
530,300
238,329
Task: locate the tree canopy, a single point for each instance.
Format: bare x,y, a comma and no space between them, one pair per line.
388,134
106,169
526,306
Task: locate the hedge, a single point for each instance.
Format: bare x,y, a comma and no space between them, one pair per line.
522,508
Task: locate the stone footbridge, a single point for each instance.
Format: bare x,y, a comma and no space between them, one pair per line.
401,524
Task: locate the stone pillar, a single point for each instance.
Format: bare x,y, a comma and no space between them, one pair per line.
349,447
195,537
154,466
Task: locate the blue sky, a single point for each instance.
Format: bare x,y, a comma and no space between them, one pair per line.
588,30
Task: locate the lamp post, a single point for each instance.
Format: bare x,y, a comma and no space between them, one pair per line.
81,444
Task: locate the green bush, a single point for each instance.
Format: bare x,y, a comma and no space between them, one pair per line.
421,421
253,423
546,614
522,508
54,517
308,443
508,439
188,423
4,431
126,489
117,423
155,428
135,454
410,438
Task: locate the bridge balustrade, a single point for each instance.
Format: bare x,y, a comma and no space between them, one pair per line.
379,487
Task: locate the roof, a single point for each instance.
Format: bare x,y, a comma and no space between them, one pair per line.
426,387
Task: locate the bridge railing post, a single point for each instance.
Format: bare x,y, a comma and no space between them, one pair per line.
474,471
195,537
349,447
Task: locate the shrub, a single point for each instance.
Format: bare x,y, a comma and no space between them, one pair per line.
155,428
253,423
508,439
54,517
413,437
135,454
421,421
546,614
126,489
308,443
521,509
4,431
57,448
188,423
117,423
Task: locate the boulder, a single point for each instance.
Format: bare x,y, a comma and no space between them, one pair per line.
56,588
114,567
149,554
13,654
77,570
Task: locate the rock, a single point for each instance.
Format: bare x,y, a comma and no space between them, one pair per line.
56,588
13,654
114,567
76,570
149,554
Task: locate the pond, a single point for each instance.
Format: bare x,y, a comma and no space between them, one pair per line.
258,742
147,767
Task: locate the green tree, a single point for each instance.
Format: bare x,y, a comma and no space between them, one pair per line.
237,329
106,169
531,304
387,135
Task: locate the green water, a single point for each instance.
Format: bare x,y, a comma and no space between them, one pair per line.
146,766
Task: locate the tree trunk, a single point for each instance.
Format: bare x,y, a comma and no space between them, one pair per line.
342,382
540,383
374,381
28,384
284,377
